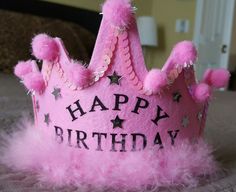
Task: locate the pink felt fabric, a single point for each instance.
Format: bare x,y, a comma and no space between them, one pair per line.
100,120
134,42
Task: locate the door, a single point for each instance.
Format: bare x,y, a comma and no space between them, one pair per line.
213,32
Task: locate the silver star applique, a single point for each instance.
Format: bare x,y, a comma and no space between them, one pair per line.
117,122
114,78
176,97
37,105
47,119
185,121
57,93
199,116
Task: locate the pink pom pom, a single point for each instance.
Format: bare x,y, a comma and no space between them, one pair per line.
79,75
34,81
23,68
118,13
216,78
207,76
155,80
201,92
45,47
184,53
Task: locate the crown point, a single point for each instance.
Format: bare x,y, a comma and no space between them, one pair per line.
184,53
45,47
23,68
155,81
217,78
79,74
34,81
118,13
201,92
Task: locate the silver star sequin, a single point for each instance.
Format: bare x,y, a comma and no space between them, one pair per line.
57,93
185,121
117,122
114,78
47,119
37,105
176,97
199,116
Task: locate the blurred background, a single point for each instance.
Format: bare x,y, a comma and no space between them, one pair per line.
162,23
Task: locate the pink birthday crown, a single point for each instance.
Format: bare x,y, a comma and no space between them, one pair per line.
115,123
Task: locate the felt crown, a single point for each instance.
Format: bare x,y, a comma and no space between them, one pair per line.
115,117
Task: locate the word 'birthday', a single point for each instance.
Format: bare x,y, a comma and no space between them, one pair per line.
113,142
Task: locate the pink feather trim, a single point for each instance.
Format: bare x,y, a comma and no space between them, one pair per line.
33,149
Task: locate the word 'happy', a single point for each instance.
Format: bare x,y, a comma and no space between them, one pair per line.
120,99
